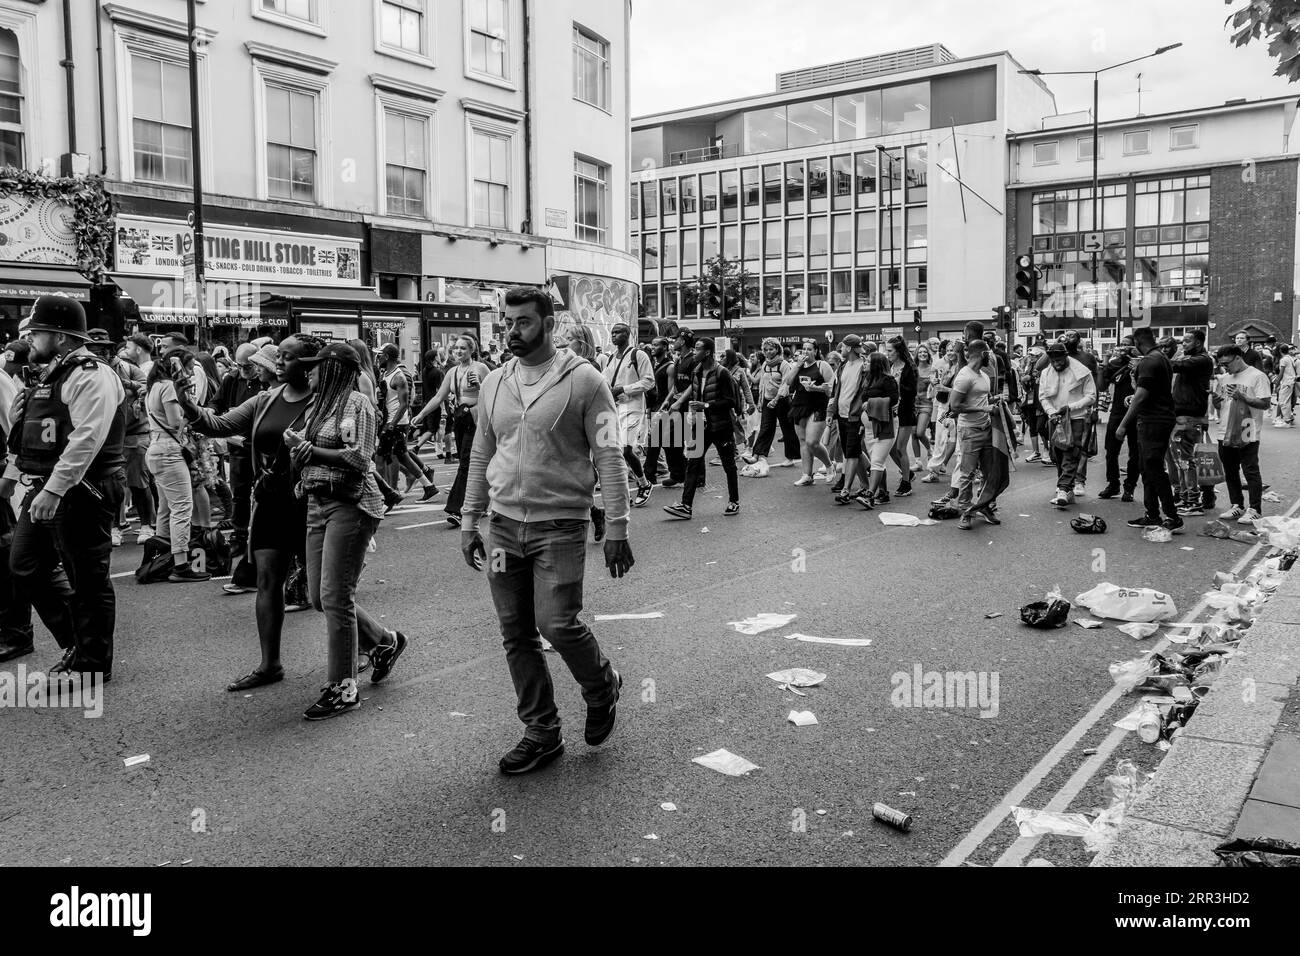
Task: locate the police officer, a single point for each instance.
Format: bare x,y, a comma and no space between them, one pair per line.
67,436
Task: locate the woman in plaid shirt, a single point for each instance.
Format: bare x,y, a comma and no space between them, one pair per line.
344,507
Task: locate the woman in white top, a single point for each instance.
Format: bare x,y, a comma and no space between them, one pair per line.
166,461
461,384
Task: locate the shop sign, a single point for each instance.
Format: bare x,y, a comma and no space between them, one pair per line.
37,230
158,247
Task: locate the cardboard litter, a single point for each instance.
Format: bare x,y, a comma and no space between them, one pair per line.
762,622
797,677
839,641
725,762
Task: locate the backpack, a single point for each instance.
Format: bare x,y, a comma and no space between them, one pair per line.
156,564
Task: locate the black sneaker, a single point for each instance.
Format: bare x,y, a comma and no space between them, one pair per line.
903,490
598,524
383,658
187,575
642,496
1127,497
453,520
11,650
430,492
882,497
1110,491
530,755
732,509
839,485
600,720
334,700
669,483
1146,521
681,512
1173,525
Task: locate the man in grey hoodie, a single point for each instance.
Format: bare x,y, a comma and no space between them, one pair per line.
544,417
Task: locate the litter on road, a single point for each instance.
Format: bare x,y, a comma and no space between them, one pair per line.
839,641
992,614
894,519
1142,605
895,818
1158,535
802,718
1139,631
1088,623
630,617
135,761
797,677
668,807
762,622
724,761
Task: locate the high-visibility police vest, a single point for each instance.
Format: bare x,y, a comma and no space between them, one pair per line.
41,435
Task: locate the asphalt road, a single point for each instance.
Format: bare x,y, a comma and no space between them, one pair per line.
411,777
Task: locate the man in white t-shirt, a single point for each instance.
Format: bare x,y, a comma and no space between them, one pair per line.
1241,396
1286,378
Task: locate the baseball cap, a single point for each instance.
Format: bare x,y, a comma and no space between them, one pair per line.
389,351
852,341
338,352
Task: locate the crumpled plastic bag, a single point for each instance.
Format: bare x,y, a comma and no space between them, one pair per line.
1281,532
1139,631
762,622
896,519
797,677
1258,851
1158,535
1234,608
1142,605
1043,822
1128,675
1047,614
1098,833
1217,529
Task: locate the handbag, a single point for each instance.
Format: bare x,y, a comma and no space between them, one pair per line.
186,454
1063,433
1209,468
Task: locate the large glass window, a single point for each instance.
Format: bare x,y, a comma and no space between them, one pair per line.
668,190
488,38
291,143
905,108
891,289
772,295
670,255
818,184
891,175
795,244
891,235
841,291
752,243
918,172
650,253
11,101
670,306
765,130
772,190
406,163
1172,234
750,191
866,238
773,245
690,202
708,244
709,197
160,128
865,290
866,178
730,195
590,68
809,124
857,116
818,242
842,182
917,287
794,189
917,234
731,242
402,24
795,301
842,240
818,292
650,203
690,253
751,296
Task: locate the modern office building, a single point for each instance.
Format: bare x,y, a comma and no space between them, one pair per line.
1198,218
854,195
370,168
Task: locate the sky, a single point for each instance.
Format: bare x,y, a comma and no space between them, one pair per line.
691,52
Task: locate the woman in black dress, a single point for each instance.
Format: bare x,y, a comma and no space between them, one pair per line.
278,528
904,371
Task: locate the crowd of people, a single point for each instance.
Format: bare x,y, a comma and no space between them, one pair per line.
296,450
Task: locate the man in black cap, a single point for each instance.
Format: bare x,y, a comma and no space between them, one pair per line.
68,438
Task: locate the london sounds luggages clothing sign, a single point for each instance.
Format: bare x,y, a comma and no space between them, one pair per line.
157,247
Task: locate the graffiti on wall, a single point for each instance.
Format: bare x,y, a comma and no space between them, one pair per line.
598,303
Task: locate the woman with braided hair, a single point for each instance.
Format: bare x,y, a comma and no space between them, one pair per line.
334,451
278,526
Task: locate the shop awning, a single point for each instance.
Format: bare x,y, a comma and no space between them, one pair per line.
313,294
18,281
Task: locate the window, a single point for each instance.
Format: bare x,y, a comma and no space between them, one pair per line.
669,255
650,252
291,144
591,203
891,235
774,245
650,203
842,182
690,204
750,192
488,38
650,299
1083,148
765,130
818,184
857,116
307,11
772,295
634,205
866,238
795,301
866,178
11,101
709,196
690,253
808,124
1184,137
491,171
917,286
668,190
406,168
752,242
841,291
730,195
795,234
750,295
917,234
918,173
794,188
865,290
818,242
905,108
1136,142
671,306
772,190
690,301
1045,153
590,69
402,25
842,240
730,242
709,243
160,121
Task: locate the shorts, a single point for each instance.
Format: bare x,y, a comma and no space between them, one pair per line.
279,524
850,438
137,474
631,426
924,407
392,442
802,416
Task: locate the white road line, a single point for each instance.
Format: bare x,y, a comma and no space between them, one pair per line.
427,524
1023,845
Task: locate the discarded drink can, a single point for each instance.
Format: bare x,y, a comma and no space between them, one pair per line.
895,818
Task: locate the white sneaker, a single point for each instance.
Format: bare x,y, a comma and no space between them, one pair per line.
1233,513
116,535
804,481
145,534
788,463
1249,517
1280,423
1061,499
1078,491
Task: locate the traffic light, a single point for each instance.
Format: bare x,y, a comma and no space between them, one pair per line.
916,319
713,299
1026,280
1002,317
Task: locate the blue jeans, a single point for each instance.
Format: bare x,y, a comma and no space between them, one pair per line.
535,571
337,535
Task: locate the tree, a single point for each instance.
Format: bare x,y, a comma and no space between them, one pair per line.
732,277
1280,21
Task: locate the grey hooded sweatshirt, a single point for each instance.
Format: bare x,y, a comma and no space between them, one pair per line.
534,463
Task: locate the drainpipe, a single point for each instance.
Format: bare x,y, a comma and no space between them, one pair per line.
67,65
99,67
527,227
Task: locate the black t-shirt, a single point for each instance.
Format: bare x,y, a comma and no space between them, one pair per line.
1155,374
1253,358
268,438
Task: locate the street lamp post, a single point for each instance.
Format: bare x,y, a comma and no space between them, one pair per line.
889,275
196,166
1096,149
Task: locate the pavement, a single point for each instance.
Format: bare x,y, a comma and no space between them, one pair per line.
410,778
